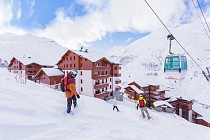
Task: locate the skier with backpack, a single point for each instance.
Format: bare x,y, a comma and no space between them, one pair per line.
142,104
68,86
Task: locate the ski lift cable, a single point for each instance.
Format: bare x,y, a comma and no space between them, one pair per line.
174,37
203,15
201,20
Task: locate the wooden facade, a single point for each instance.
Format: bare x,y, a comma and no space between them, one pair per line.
183,108
97,78
202,122
51,80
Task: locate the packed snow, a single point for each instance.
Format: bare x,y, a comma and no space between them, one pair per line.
34,112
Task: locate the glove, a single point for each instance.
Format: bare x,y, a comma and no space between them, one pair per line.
78,96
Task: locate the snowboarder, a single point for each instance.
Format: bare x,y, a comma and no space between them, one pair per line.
115,104
71,92
142,104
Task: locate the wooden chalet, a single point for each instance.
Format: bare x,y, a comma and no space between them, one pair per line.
151,93
50,77
25,67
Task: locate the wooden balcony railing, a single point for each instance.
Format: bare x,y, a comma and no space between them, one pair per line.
117,68
104,68
118,88
117,74
100,86
101,95
100,77
117,81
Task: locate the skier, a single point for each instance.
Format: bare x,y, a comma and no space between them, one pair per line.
142,104
115,104
71,92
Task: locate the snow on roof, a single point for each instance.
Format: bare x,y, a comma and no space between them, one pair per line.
205,113
29,60
136,89
93,56
89,55
52,72
159,103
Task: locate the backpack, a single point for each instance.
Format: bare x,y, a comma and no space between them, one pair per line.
63,84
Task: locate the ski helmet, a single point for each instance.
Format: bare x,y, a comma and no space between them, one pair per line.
74,73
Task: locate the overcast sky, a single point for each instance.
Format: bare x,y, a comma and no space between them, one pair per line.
98,24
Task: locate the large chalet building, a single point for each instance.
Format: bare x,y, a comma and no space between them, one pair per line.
97,76
151,93
26,67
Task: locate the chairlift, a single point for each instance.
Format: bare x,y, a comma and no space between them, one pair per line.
175,66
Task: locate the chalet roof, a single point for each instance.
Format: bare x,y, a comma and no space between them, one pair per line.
92,56
136,89
160,103
200,109
50,72
30,60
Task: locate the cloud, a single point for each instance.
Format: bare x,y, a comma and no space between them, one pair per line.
104,17
108,16
31,12
129,39
19,11
5,13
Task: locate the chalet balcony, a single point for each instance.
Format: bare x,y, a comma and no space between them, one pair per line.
104,68
31,73
117,74
101,95
118,88
100,86
100,77
118,81
117,68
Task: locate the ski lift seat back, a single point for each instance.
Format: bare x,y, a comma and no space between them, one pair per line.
175,63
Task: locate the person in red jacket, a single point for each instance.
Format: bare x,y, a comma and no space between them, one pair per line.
71,92
142,104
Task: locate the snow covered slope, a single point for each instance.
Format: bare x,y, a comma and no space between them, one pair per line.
34,112
143,60
30,46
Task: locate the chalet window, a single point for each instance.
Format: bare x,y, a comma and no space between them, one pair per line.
64,65
106,80
85,59
81,89
21,72
67,65
81,81
74,65
102,89
74,57
110,87
106,72
81,64
103,81
106,88
66,58
70,65
81,73
110,79
70,58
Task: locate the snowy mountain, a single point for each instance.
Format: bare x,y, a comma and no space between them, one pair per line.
33,112
143,61
39,49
